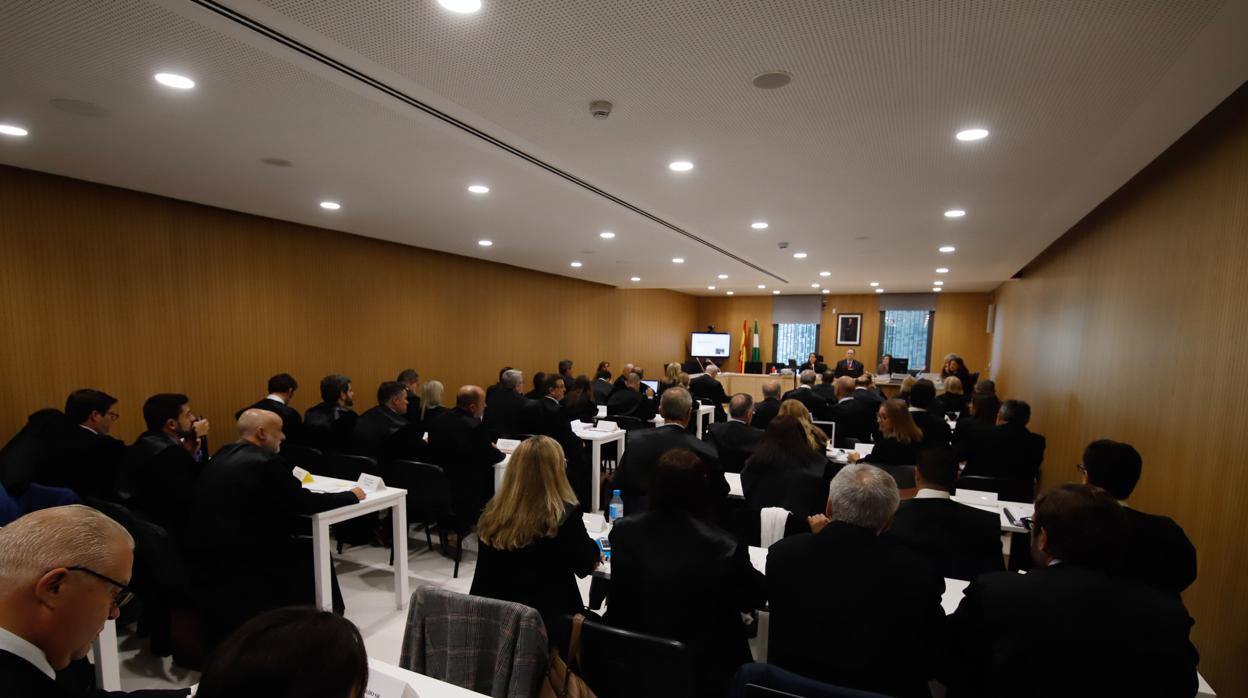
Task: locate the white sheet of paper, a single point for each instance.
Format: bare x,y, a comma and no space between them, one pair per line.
507,445
604,425
382,685
327,487
864,449
370,483
299,473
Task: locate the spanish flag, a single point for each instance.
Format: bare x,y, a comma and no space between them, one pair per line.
745,331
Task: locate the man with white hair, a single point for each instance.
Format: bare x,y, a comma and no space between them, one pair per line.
64,571
708,387
505,406
880,599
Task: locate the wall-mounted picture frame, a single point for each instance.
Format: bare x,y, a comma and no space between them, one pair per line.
849,329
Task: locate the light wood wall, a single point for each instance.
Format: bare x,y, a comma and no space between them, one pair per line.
136,294
1132,327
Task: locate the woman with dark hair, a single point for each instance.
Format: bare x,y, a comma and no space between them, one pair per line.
294,652
975,424
579,403
899,437
886,366
675,575
955,366
785,472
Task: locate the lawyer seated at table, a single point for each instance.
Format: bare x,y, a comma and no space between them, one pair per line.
785,472
898,440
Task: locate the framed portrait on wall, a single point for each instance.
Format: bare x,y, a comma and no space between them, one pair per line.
849,329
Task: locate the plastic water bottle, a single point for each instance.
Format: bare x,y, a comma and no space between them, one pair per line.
615,509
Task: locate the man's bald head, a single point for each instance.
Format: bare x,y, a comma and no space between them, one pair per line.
261,428
471,399
844,387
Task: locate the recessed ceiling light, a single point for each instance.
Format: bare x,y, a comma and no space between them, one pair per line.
948,248
771,79
873,284
759,225
938,283
710,288
463,7
762,285
879,290
678,260
814,285
635,278
825,273
11,130
942,270
576,265
722,276
331,205
972,134
606,235
730,293
776,292
485,243
827,290
177,82
937,289
680,166
478,189
799,255
955,213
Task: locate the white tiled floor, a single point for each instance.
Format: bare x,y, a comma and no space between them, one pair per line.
367,585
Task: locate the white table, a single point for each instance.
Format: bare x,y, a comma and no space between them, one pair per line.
107,661
385,498
596,439
424,686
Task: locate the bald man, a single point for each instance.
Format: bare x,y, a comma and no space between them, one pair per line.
248,511
63,572
465,450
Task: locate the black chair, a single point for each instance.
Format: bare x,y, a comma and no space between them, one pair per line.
347,467
629,423
362,529
1007,489
623,664
306,457
757,680
429,502
903,474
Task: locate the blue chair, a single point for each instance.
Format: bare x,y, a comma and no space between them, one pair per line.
766,681
9,508
39,497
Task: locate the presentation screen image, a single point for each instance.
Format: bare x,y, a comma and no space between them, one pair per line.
710,344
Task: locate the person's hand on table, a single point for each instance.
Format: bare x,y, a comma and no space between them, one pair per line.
817,522
853,456
359,493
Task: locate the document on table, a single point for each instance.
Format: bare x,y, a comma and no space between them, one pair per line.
327,487
863,449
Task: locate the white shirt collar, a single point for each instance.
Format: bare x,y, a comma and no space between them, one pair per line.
917,409
26,650
84,426
275,398
738,421
927,493
847,397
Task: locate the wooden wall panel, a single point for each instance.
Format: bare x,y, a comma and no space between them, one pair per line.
136,294
868,305
958,327
727,313
1131,327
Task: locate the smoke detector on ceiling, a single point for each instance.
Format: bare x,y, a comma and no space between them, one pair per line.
771,79
600,108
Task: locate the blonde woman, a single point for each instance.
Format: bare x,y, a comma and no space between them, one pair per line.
671,378
952,400
903,393
683,378
533,539
815,438
430,402
899,440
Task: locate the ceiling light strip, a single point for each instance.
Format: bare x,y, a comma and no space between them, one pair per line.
347,70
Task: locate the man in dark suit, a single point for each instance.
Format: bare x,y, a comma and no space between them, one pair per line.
849,366
827,386
962,541
646,446
882,599
383,432
805,394
330,424
504,412
539,386
767,410
565,371
549,417
973,427
936,431
50,617
464,448
249,509
631,401
160,468
499,387
707,387
866,390
1009,450
1068,627
602,387
1157,551
734,440
86,459
411,380
282,389
854,418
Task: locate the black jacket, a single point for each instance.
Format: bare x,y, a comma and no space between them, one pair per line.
292,423
630,403
644,448
1006,451
1065,630
413,408
854,419
543,573
948,402
602,390
764,412
85,462
465,450
549,418
890,451
1158,552
387,436
158,480
705,387
798,485
807,396
869,396
846,367
675,576
936,431
504,413
854,609
961,541
329,427
21,679
734,442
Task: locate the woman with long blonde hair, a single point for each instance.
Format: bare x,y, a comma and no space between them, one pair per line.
533,539
899,437
815,437
430,401
671,378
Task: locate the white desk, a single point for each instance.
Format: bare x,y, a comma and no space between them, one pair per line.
988,502
384,498
107,661
424,686
596,439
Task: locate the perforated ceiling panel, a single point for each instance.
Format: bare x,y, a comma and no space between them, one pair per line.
853,162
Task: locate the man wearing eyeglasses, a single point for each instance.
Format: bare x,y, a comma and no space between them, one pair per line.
63,573
87,459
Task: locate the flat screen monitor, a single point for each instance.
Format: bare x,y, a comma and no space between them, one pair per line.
712,344
897,365
653,385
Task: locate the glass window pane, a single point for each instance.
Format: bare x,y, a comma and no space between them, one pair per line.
796,341
905,336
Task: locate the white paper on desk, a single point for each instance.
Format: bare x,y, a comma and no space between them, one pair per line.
300,474
863,449
594,523
507,445
370,483
386,686
326,487
604,425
